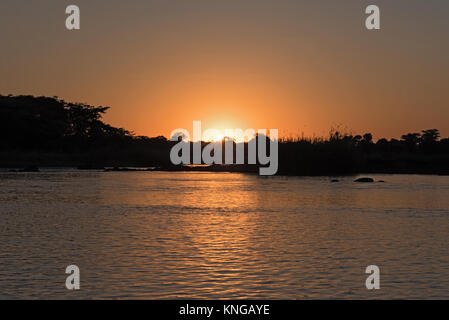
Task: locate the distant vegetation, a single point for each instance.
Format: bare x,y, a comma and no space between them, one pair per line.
43,131
52,132
343,153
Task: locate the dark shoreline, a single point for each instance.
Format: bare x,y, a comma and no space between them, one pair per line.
50,132
253,169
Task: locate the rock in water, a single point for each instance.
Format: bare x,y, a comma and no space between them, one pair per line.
364,180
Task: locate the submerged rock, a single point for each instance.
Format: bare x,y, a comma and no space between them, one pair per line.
364,180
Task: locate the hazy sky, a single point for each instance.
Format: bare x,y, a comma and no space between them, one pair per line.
299,66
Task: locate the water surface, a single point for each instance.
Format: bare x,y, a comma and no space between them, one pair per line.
162,235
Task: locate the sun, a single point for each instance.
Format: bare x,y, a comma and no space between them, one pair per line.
213,136
228,132
217,136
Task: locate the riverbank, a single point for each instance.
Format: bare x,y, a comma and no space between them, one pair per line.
250,169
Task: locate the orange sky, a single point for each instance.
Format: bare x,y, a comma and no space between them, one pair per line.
298,66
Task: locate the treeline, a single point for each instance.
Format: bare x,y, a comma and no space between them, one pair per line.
343,153
44,131
52,132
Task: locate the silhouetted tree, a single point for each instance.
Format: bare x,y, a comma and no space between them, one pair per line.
429,139
367,142
411,140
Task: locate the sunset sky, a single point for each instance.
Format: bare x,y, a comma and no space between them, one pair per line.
299,66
